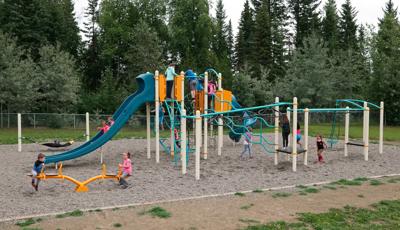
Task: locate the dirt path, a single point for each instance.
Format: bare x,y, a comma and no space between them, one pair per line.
228,212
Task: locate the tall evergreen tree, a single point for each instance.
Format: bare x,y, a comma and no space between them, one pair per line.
306,18
117,20
69,38
263,38
330,31
386,68
220,44
190,25
279,35
348,27
91,63
245,38
230,43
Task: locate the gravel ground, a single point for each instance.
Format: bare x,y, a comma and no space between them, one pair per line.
163,181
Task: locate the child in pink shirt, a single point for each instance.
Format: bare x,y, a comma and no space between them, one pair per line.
126,169
104,127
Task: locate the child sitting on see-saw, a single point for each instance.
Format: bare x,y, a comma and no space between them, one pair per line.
321,146
298,135
126,169
247,143
38,166
104,127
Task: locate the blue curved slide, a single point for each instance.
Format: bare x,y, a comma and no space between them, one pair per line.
144,94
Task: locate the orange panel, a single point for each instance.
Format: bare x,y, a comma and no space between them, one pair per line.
200,101
225,97
162,87
178,88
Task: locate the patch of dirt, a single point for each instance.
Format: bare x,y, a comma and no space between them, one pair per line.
227,212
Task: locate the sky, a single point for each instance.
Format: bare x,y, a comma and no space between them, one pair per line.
368,10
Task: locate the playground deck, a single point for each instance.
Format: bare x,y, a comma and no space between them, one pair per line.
151,182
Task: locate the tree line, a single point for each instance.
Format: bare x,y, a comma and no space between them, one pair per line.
282,48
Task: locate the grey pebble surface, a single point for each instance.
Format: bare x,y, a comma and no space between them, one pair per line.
153,182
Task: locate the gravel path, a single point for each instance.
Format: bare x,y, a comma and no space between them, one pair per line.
163,181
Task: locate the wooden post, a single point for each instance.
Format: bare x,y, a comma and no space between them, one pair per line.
306,121
346,132
220,121
183,141
205,143
276,131
294,139
148,130
381,117
365,130
198,144
157,117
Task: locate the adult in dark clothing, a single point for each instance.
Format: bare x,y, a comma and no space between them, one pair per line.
285,131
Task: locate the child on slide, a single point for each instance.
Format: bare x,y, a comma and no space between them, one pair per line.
38,166
321,146
126,169
247,143
104,127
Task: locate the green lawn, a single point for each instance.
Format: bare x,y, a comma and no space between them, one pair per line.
384,215
9,136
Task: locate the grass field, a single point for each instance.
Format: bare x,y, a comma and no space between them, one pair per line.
383,215
9,136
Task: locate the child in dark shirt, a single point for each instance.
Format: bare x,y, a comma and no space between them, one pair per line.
38,166
321,146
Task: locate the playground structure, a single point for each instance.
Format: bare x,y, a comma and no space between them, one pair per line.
80,186
203,115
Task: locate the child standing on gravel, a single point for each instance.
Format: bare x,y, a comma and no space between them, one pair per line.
38,166
321,146
126,169
247,143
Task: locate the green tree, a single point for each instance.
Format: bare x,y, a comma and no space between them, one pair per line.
117,18
306,18
190,25
309,76
386,69
230,43
57,80
263,38
18,83
348,27
154,13
220,45
145,52
279,34
91,60
330,30
39,22
245,38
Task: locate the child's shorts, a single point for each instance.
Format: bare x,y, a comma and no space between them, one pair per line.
298,137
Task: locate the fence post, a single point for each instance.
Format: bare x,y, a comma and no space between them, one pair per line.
34,120
19,133
87,127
